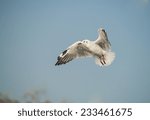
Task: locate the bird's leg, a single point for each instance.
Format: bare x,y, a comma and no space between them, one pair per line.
102,59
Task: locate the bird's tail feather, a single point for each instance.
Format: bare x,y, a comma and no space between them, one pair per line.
106,59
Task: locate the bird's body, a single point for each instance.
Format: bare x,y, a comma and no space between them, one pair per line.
100,49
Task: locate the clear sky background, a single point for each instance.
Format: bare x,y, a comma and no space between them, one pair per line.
34,32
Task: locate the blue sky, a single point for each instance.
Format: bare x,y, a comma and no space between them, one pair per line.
34,32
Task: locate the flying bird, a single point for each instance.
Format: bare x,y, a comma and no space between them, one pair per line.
100,49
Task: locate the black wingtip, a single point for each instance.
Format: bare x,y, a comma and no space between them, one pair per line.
103,30
57,63
60,63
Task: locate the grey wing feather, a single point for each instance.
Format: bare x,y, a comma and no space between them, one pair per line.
74,51
102,40
65,59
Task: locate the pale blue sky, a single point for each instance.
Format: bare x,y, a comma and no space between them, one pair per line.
34,32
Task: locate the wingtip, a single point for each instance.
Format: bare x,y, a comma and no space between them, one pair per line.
59,63
101,29
56,64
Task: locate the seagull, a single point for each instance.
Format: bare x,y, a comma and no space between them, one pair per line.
100,49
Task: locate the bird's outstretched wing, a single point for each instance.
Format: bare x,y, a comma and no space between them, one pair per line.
76,50
102,40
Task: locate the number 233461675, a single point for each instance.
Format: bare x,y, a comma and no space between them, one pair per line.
106,112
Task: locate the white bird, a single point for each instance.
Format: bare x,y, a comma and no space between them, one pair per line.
100,49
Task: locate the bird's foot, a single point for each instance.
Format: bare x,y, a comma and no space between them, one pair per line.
102,60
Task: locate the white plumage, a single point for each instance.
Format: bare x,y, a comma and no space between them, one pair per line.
100,49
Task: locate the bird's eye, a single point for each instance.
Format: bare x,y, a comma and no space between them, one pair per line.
85,41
